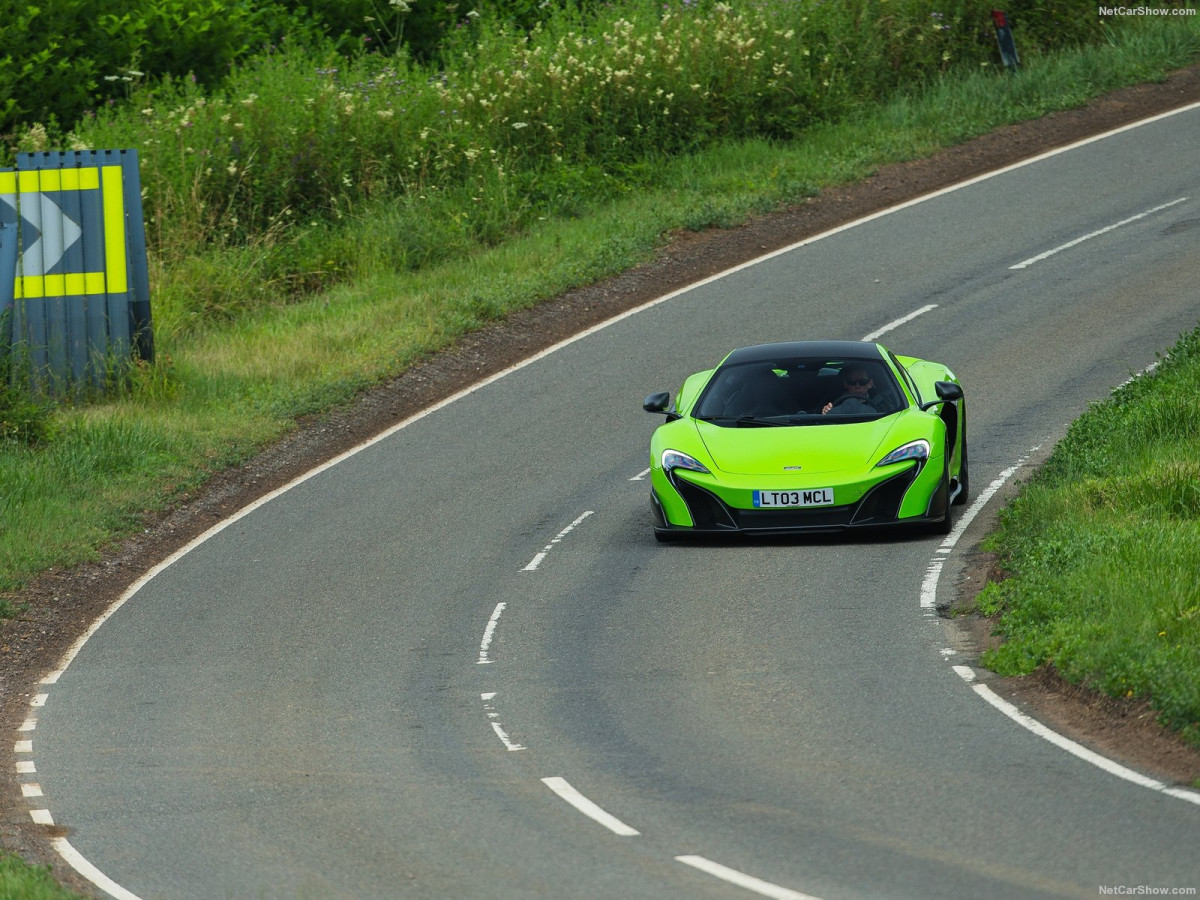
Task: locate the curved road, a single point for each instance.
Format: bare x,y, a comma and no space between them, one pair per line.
457,664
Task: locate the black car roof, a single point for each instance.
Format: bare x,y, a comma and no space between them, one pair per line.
828,349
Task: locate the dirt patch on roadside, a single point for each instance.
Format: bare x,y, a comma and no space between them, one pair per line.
59,606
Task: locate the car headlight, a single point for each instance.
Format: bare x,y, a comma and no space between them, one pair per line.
912,450
673,459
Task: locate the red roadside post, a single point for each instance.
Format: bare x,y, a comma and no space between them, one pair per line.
1004,39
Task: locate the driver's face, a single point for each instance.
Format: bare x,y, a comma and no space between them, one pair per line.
857,382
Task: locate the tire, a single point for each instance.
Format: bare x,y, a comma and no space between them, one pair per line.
947,524
964,477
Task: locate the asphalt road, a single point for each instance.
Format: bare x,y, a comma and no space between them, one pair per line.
410,675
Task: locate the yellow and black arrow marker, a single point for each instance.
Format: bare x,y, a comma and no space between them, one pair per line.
76,297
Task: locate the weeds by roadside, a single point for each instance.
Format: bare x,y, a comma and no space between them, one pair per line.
1103,550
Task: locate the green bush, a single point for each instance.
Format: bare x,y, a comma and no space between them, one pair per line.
63,58
48,68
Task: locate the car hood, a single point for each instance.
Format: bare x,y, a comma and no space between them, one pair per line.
812,448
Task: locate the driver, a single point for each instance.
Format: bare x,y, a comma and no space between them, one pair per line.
856,393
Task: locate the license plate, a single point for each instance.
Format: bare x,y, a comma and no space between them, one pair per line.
774,499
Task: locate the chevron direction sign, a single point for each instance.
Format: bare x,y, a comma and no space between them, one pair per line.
74,285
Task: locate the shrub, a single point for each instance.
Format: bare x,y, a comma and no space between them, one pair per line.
23,418
65,57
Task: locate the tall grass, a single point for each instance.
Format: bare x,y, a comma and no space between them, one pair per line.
1103,547
249,187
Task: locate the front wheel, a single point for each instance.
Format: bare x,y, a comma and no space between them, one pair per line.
944,526
964,478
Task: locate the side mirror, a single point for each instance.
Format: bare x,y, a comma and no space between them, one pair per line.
947,392
657,403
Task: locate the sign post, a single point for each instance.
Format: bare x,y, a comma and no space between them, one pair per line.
79,292
1004,39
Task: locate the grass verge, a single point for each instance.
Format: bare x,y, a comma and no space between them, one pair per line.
1103,550
21,881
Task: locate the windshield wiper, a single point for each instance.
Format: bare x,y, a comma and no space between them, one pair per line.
746,421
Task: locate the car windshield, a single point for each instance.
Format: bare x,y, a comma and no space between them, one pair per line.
800,391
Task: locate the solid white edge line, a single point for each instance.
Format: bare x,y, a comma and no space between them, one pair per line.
929,584
1065,743
80,864
1149,370
891,326
981,501
933,573
742,880
563,789
141,582
1095,234
928,600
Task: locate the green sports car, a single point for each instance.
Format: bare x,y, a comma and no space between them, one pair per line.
809,436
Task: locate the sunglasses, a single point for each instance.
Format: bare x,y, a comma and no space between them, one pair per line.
858,382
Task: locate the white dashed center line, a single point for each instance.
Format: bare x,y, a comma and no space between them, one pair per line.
489,633
490,709
891,326
742,880
537,559
1087,237
564,790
